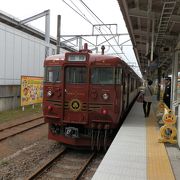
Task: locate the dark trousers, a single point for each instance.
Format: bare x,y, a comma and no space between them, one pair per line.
167,102
146,108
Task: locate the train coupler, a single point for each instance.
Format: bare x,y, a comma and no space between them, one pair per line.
72,132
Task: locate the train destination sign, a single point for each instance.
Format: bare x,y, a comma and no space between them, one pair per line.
76,58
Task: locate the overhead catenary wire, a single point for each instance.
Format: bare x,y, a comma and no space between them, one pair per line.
103,24
84,17
108,29
82,14
99,30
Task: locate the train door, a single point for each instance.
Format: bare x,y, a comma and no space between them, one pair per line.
119,90
128,89
124,90
76,94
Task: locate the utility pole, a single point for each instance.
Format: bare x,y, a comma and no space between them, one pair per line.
58,33
47,27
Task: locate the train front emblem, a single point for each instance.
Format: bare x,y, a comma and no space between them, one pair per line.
75,105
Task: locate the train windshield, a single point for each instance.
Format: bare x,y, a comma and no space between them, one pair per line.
53,74
76,75
102,75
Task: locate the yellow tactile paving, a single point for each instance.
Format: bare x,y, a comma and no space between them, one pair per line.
158,164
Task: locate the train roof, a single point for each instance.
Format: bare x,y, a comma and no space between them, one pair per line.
93,59
90,58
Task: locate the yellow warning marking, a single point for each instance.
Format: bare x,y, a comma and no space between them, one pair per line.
158,164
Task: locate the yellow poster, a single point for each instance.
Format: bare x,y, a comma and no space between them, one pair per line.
31,90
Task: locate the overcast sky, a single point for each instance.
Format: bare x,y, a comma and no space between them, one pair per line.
71,23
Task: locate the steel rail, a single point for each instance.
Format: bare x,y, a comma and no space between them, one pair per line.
46,166
84,166
20,131
2,129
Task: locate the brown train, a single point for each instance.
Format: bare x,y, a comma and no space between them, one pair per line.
86,96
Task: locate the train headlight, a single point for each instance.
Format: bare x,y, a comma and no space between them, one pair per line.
49,108
104,111
49,93
105,96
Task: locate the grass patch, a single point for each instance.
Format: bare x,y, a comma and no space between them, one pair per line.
18,113
3,163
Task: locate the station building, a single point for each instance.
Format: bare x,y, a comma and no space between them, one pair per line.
22,52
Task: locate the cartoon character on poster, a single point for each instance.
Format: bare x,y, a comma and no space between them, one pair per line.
25,92
31,90
41,91
32,93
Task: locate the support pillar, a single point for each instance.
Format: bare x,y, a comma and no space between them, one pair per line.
176,89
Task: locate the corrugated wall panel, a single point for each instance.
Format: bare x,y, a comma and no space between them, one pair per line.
17,59
20,54
36,63
2,54
9,61
31,56
24,55
42,56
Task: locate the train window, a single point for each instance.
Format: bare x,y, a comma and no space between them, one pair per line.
118,75
102,75
126,86
76,75
52,74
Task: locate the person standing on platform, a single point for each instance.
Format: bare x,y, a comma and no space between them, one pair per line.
167,91
148,92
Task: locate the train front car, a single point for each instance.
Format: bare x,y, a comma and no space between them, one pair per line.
82,98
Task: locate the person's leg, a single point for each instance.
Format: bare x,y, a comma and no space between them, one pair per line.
144,108
148,108
168,103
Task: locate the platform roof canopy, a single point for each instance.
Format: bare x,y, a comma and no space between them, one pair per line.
154,28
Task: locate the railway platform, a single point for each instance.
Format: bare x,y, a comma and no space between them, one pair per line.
136,153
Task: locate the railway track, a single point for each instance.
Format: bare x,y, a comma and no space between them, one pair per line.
68,164
18,128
